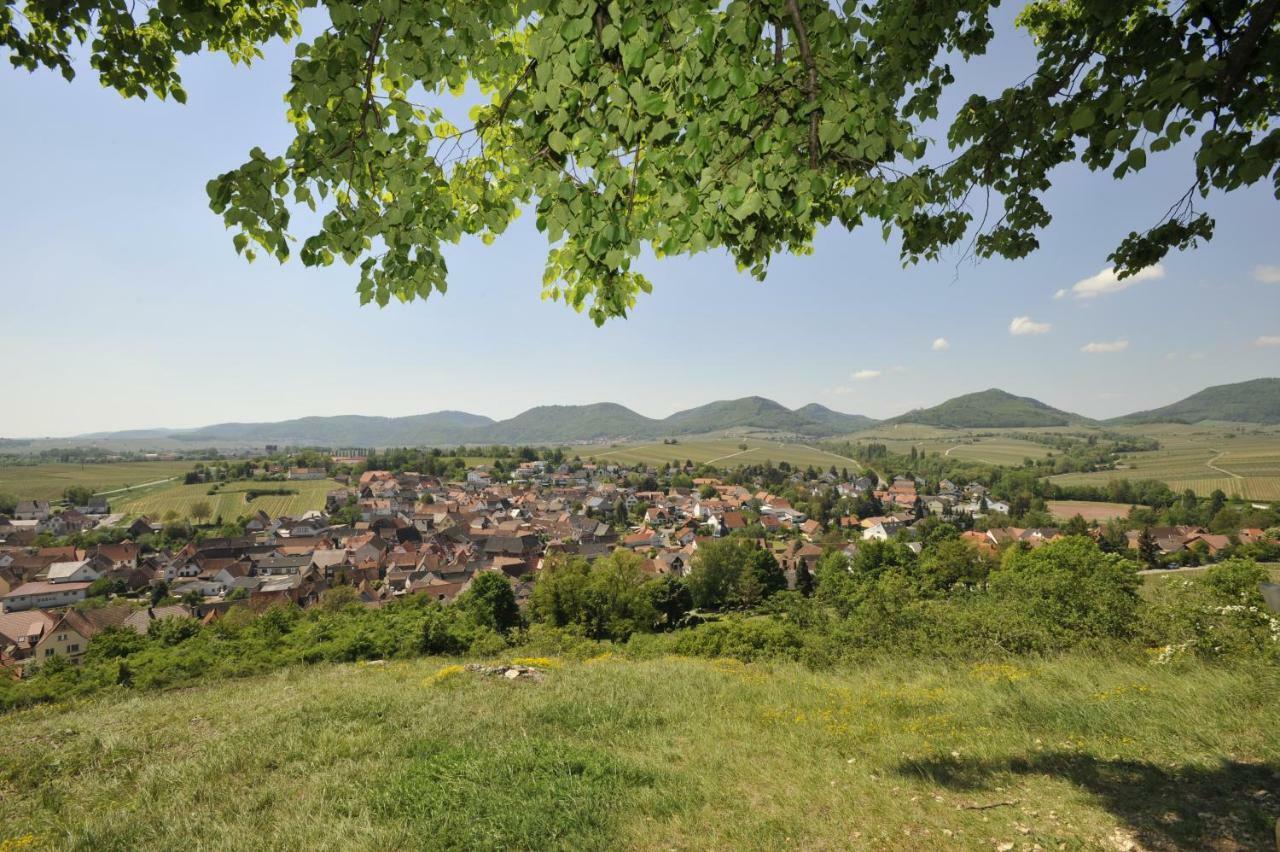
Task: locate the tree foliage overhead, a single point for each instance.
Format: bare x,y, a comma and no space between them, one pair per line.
686,126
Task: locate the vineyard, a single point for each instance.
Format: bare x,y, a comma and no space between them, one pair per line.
724,452
230,502
48,481
1204,460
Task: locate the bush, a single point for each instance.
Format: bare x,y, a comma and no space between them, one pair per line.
1071,588
1218,616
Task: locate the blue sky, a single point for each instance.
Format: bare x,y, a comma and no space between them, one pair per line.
125,306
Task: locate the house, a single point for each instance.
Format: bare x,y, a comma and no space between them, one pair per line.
32,510
42,595
71,572
141,526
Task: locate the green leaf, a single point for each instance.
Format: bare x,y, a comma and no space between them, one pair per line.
1082,118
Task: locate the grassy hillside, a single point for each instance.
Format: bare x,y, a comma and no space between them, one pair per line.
671,753
46,481
989,409
1256,401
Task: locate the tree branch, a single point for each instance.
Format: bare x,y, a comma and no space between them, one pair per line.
811,84
1244,48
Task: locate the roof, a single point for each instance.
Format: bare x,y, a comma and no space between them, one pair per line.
39,588
65,569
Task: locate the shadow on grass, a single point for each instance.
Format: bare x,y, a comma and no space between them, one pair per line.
1230,806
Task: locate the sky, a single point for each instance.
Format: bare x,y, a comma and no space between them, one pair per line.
123,304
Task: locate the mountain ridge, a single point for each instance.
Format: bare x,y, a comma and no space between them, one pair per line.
1255,400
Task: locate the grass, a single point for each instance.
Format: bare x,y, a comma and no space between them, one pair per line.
230,502
723,452
670,753
47,481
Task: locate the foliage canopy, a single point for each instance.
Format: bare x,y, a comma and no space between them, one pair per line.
686,126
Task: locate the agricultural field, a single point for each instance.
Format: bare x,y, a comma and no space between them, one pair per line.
722,452
48,481
1241,462
1090,510
989,446
229,503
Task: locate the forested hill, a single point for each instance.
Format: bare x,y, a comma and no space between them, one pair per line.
1254,401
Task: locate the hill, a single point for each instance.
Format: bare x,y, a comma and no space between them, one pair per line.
750,411
351,430
833,422
672,753
990,409
1255,401
554,423
544,424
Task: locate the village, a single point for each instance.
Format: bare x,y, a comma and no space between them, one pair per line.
388,535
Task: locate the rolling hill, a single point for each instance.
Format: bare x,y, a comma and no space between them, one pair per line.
990,409
350,430
1254,401
548,423
542,424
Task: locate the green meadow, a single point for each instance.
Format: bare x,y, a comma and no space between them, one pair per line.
670,753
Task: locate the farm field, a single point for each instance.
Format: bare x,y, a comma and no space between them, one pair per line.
1241,462
989,446
47,481
1088,509
229,503
672,753
723,452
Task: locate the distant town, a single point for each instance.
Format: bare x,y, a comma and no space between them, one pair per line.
420,522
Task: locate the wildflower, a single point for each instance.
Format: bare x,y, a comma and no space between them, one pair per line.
537,662
443,674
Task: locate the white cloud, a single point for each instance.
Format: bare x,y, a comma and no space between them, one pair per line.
1267,274
1109,346
1268,340
940,345
863,375
1107,282
1026,325
1062,294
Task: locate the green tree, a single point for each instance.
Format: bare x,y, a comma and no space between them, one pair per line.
1148,550
77,495
200,511
491,602
8,502
1070,588
682,127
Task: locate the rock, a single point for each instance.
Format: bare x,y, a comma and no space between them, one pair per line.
512,674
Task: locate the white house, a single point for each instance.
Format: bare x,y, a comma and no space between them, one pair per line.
72,572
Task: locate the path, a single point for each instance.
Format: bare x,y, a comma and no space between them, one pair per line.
731,455
956,447
1210,464
856,463
132,487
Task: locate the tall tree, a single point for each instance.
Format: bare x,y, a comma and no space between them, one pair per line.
685,126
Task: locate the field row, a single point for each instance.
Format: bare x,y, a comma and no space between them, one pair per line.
229,503
726,452
48,481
